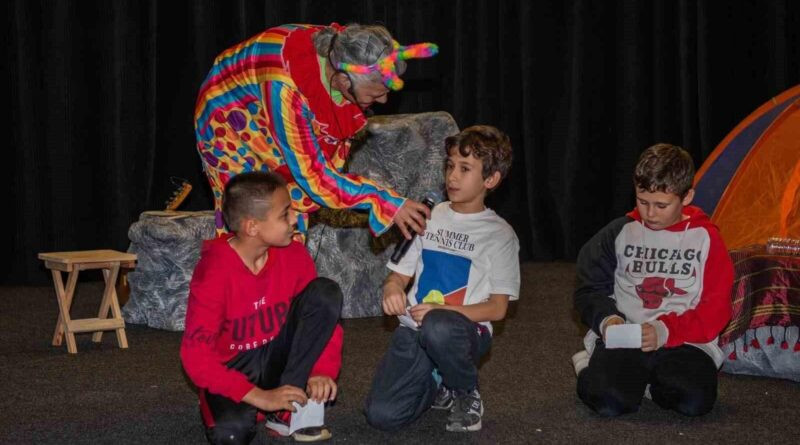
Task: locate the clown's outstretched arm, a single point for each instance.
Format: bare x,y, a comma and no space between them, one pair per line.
290,121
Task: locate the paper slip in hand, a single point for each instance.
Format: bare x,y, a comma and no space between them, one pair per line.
407,321
624,336
313,414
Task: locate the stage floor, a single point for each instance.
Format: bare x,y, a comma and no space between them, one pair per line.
140,395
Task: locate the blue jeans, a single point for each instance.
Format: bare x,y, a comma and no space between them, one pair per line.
403,387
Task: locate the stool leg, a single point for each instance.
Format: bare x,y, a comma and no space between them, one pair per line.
104,305
110,300
64,297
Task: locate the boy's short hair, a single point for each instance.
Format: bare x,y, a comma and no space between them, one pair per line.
484,142
664,168
248,195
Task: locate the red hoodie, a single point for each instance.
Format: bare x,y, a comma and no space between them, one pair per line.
694,318
231,310
679,279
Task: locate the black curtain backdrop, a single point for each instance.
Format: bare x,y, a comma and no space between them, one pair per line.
100,96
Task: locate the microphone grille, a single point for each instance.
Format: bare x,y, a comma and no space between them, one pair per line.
435,196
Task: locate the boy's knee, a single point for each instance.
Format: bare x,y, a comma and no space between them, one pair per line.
325,286
440,326
694,408
695,404
326,294
231,433
690,394
605,401
609,403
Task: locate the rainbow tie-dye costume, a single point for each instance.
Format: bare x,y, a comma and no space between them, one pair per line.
263,107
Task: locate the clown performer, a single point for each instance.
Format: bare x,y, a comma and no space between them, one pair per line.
289,100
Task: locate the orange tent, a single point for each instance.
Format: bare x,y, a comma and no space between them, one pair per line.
750,184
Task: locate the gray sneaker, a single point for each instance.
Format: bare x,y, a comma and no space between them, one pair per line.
444,398
465,415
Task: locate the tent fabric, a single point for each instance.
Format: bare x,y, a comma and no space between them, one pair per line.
789,209
750,184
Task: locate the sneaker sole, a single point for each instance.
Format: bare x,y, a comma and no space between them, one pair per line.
274,436
462,429
324,435
277,429
580,361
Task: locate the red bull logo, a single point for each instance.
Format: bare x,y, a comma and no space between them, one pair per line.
653,290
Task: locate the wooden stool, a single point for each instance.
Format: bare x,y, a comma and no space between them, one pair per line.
110,262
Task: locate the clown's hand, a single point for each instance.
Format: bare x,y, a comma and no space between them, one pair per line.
410,218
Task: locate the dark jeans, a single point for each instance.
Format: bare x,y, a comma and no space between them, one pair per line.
404,388
683,379
286,360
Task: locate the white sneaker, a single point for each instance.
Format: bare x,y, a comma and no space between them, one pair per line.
580,360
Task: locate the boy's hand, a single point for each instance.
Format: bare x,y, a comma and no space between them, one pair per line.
419,311
321,388
394,299
410,217
649,338
275,399
611,322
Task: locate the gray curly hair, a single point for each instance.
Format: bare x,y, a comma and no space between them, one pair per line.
359,45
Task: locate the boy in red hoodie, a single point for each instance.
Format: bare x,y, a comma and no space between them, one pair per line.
664,267
262,331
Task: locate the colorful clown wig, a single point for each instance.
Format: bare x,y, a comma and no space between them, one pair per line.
386,64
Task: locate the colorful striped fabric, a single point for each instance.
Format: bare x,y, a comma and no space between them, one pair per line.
263,107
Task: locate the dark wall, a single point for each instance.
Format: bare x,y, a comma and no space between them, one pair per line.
101,93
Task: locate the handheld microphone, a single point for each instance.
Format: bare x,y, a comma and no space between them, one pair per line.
402,247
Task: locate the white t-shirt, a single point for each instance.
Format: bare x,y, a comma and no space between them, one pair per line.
462,259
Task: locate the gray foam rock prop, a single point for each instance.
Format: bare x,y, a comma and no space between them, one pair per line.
406,153
167,245
774,356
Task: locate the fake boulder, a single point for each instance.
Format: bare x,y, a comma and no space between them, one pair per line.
167,245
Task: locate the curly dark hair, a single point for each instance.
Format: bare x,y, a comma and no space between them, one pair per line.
484,142
664,168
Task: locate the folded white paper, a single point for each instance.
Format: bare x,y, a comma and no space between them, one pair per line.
407,321
313,414
624,336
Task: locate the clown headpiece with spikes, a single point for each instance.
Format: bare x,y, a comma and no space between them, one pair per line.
386,65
